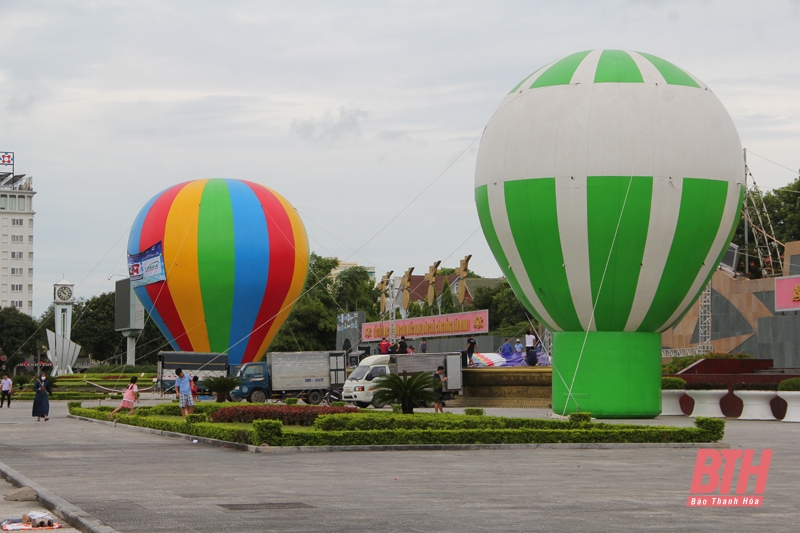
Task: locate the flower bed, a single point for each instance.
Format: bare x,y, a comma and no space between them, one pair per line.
291,415
360,428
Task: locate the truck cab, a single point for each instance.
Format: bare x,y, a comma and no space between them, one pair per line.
254,386
358,387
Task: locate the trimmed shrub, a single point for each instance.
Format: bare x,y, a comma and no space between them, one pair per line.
63,396
195,418
338,404
673,383
291,401
706,386
679,363
71,405
580,418
474,411
268,431
791,384
397,408
756,386
290,415
371,420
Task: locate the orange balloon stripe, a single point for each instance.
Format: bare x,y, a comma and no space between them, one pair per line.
299,276
180,259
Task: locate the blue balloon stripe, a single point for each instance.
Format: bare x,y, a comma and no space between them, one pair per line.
251,265
136,231
141,293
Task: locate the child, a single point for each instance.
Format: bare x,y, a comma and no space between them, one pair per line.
130,395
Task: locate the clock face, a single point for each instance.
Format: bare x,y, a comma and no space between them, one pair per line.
64,293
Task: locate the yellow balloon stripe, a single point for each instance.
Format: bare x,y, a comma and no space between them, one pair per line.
299,276
180,257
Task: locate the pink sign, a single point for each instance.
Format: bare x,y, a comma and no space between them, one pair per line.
787,294
472,323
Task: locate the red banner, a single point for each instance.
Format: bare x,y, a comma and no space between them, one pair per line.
470,323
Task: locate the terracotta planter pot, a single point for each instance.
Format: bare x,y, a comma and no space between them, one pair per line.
706,402
756,404
792,405
671,402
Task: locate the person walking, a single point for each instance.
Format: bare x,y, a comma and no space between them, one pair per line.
183,390
423,346
195,393
402,346
6,386
471,347
41,403
130,395
440,379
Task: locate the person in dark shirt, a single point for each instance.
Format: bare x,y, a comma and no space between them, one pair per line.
402,347
440,379
423,347
471,347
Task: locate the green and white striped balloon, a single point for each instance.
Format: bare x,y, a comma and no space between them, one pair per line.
608,185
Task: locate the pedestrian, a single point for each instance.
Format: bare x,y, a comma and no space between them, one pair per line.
183,390
440,378
402,347
472,346
423,346
130,395
530,348
194,388
6,386
393,348
410,348
383,346
41,403
506,350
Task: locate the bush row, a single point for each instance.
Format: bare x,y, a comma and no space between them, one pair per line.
291,415
63,396
368,421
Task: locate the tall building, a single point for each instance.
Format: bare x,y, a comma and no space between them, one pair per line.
16,243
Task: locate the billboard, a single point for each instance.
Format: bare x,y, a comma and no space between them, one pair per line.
787,294
470,323
147,267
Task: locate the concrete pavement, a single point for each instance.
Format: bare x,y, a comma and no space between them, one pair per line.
140,482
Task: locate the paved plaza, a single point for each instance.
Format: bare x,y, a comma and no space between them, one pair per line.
139,482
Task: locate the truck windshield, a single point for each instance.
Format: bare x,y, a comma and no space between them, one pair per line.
358,373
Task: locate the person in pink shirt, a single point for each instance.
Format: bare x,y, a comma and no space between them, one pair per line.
130,395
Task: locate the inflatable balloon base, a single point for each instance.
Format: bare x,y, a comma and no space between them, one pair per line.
619,374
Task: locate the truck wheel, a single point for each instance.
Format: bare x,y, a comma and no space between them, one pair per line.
362,405
314,397
258,396
378,405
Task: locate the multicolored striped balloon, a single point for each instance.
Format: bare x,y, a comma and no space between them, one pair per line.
608,185
236,259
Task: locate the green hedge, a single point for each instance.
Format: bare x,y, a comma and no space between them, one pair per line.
791,384
62,396
369,420
668,383
474,411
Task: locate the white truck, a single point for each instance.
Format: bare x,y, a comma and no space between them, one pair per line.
359,386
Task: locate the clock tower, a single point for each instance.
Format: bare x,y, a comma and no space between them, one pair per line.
63,298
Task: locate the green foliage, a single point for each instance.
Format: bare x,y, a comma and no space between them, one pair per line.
291,401
355,291
507,316
18,336
221,385
268,431
414,310
672,383
679,363
20,380
446,271
446,304
194,418
62,396
71,405
580,418
706,386
338,404
397,408
408,391
474,411
714,428
792,384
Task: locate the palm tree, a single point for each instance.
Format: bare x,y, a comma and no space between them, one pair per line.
408,391
221,385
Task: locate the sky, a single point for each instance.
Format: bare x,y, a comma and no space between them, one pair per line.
366,116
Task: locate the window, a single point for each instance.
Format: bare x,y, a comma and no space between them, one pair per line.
12,205
30,272
30,303
30,287
16,287
375,372
255,371
16,221
30,239
21,203
16,255
30,222
17,238
16,303
16,271
30,256
3,201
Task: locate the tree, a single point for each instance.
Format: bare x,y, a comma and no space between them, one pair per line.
408,391
18,336
354,290
221,386
447,271
414,310
507,316
446,304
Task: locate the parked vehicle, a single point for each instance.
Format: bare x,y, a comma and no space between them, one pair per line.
203,365
359,386
306,375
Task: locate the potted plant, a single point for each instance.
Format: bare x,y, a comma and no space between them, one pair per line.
756,398
789,390
672,389
706,398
